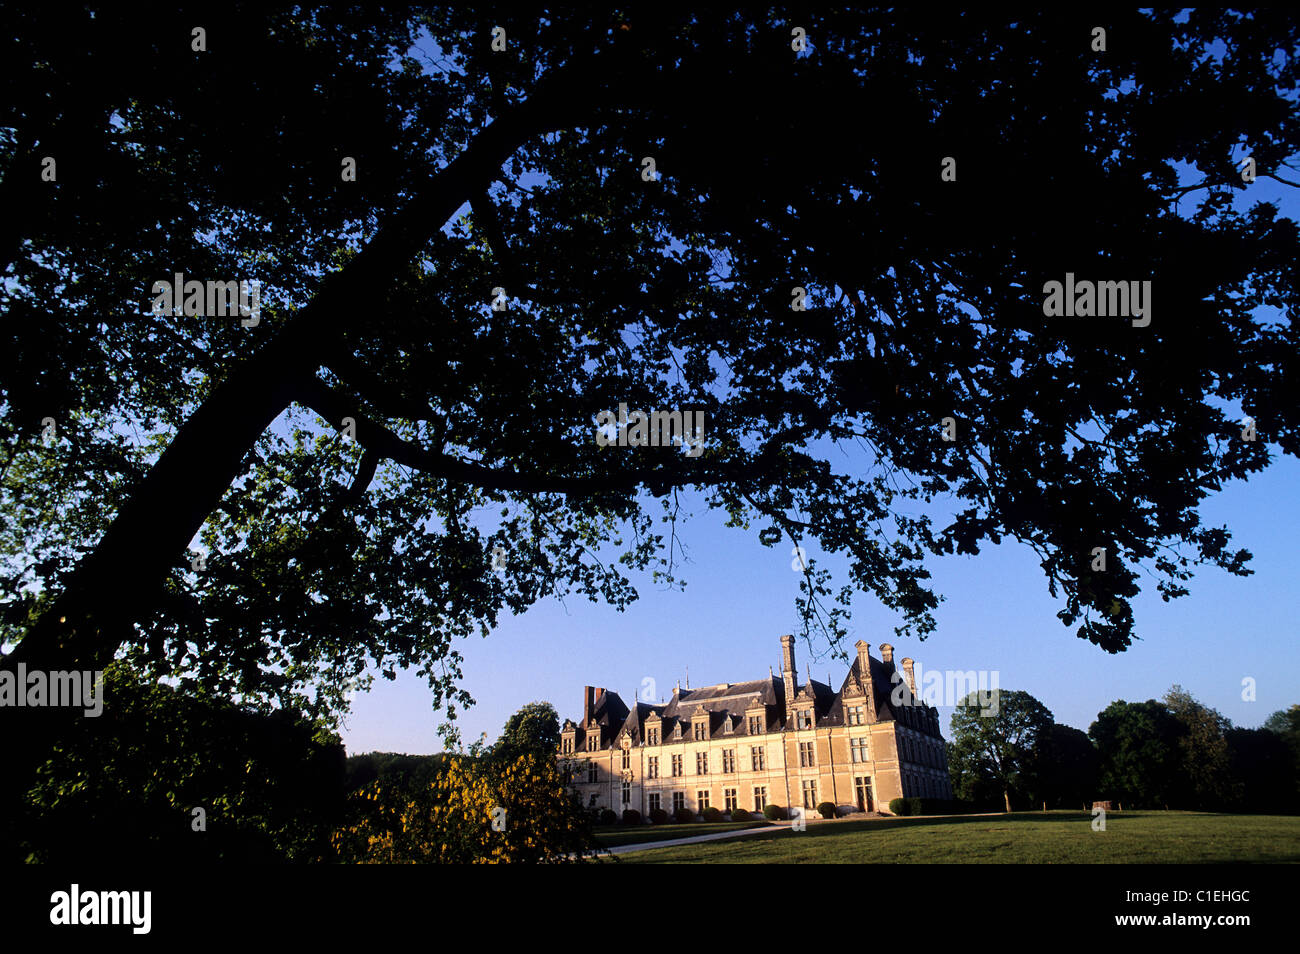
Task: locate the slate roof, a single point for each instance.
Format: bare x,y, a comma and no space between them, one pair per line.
731,700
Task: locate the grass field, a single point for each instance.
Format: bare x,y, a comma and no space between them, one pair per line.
1019,838
612,837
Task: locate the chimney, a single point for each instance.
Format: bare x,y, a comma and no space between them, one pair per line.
911,678
864,673
864,660
588,697
787,656
887,654
788,677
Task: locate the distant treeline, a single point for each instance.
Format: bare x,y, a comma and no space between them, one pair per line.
1171,753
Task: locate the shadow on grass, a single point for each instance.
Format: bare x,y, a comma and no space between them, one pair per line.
1072,817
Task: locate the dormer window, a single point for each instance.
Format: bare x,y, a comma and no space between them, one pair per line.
593,742
652,735
701,731
755,725
804,718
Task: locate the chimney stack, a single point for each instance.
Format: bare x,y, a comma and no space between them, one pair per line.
588,697
911,678
787,657
864,660
864,673
887,654
789,677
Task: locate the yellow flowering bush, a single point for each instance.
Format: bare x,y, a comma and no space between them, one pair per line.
486,811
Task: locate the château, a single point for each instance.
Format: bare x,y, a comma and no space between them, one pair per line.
764,742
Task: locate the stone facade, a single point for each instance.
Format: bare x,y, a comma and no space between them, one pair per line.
763,742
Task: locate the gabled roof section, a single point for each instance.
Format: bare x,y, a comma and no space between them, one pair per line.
634,724
726,699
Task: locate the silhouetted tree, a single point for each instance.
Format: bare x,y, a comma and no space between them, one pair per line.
384,462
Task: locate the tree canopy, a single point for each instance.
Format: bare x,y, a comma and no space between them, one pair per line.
383,461
998,741
533,728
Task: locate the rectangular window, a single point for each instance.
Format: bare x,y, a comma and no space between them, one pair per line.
702,797
679,801
807,757
627,760
858,749
701,763
756,758
677,765
652,736
804,719
855,715
700,729
654,801
627,793
755,725
652,767
568,745
760,797
593,743
810,793
728,761
729,799
591,771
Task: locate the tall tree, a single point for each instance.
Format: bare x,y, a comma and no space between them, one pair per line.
1205,752
996,741
385,461
1140,760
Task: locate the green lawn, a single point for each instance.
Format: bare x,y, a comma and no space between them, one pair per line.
1019,838
618,835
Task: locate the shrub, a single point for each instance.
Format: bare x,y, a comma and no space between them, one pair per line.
631,816
684,816
916,806
827,809
711,814
473,812
740,815
774,813
122,785
607,817
658,816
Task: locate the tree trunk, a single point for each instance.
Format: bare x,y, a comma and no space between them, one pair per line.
118,584
1006,797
